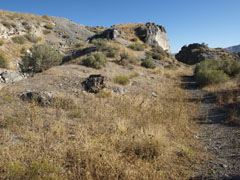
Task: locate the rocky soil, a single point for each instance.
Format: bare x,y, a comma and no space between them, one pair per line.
221,141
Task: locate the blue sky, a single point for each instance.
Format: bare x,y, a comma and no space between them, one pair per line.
214,22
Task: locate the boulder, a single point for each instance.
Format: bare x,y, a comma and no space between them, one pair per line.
94,83
109,34
153,35
41,98
113,34
8,76
195,53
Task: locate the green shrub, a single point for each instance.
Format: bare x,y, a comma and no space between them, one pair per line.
148,63
6,24
134,75
213,69
1,42
13,25
97,61
126,59
32,38
100,44
211,77
157,53
19,39
123,80
46,31
66,36
41,58
137,47
112,52
3,60
46,17
49,26
80,44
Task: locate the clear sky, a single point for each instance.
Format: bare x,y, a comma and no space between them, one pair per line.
214,22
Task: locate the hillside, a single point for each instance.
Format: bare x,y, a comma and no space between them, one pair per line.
233,49
111,103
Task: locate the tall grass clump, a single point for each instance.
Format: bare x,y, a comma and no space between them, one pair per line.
148,63
32,38
127,59
137,47
96,60
3,60
19,39
157,53
42,57
100,44
216,71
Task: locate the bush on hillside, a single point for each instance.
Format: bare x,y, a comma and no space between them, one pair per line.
126,59
66,36
112,52
215,71
3,60
137,47
32,38
6,24
46,31
97,61
100,44
49,26
157,53
42,57
78,45
1,42
148,63
122,80
211,77
19,39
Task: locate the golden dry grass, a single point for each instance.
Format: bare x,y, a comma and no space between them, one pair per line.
131,136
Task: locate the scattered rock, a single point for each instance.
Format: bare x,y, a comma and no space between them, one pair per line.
41,98
154,94
119,90
94,83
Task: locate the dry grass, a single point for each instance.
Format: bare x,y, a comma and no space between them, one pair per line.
119,137
129,29
17,15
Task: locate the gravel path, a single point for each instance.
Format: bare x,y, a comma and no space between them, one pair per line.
222,142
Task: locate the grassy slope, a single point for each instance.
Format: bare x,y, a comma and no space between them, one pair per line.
131,136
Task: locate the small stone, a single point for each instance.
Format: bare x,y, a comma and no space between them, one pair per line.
154,94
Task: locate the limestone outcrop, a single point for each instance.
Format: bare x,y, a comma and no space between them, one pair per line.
153,35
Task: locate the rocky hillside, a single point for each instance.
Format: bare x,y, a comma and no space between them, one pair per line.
233,49
195,53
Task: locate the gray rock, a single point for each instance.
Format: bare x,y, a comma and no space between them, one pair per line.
94,83
154,35
112,34
41,98
119,90
8,76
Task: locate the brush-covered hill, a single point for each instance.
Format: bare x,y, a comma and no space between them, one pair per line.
92,102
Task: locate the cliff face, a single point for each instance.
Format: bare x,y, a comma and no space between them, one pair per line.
154,35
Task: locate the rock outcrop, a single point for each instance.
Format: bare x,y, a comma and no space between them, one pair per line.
233,49
94,83
154,35
112,34
195,53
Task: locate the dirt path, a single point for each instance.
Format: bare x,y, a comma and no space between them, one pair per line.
222,142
